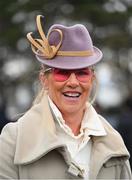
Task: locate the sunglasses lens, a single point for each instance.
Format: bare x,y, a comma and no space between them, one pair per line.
83,75
60,74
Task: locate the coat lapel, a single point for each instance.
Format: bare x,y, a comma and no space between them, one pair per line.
36,134
105,148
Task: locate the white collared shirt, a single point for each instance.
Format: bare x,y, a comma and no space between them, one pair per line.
79,146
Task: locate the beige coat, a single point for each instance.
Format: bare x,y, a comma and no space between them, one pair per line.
29,149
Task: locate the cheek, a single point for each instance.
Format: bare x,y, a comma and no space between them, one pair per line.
87,87
54,90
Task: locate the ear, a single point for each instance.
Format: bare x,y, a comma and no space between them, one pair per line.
43,79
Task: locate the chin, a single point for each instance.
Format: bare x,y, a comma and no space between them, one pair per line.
71,109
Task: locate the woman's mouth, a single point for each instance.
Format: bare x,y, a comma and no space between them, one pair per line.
72,94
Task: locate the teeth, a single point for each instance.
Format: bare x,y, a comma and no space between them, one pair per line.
72,94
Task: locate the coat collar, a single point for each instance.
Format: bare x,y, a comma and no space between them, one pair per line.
37,136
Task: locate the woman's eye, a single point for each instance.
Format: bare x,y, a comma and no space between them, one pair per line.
63,72
82,73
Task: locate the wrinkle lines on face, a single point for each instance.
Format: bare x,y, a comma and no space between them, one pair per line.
69,96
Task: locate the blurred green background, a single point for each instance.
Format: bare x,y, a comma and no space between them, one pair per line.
110,25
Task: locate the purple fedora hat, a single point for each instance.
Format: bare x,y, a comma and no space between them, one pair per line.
65,47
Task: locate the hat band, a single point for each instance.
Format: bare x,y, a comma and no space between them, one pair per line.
75,53
68,53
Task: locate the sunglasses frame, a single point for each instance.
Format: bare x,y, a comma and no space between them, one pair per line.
48,70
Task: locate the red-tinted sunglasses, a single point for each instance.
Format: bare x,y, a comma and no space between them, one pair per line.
60,75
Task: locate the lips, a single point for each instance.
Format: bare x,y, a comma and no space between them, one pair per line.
72,94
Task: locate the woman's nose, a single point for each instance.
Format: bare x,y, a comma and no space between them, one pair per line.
72,80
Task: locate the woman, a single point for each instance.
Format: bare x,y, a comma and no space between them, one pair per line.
62,136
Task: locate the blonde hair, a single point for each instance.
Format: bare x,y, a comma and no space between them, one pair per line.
41,91
94,91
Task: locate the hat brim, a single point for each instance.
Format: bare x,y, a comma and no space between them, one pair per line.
68,62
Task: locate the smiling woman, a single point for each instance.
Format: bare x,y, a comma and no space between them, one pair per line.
69,90
62,136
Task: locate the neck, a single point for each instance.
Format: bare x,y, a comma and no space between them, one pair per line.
74,121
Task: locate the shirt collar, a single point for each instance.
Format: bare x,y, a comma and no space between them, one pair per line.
91,123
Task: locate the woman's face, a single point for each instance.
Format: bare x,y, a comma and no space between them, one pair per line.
70,96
